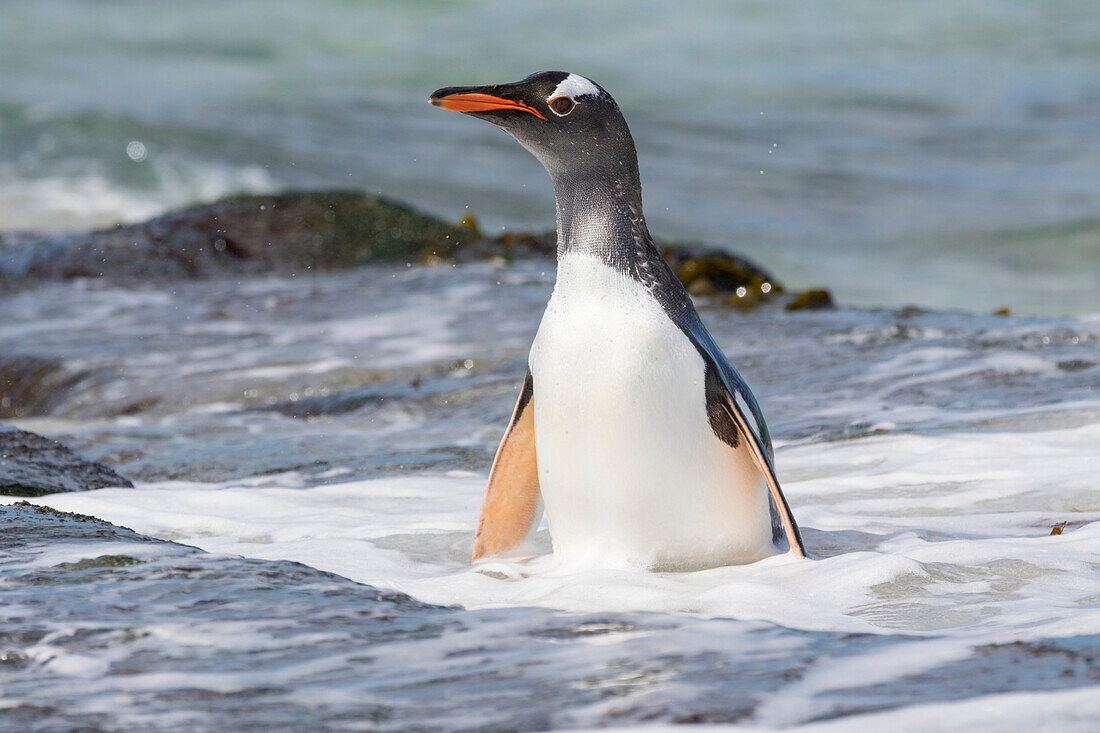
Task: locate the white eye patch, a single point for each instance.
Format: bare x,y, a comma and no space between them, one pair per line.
573,86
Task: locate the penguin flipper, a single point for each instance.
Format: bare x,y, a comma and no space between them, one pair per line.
763,462
723,383
512,506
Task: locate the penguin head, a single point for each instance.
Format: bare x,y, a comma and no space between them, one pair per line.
568,122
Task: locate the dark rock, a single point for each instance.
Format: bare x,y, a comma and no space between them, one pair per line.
33,385
336,403
283,232
815,299
31,465
910,311
103,561
26,508
510,246
708,271
1075,365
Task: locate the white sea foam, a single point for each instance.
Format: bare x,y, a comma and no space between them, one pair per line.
1067,711
50,203
941,534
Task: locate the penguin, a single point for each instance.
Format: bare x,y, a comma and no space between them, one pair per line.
632,430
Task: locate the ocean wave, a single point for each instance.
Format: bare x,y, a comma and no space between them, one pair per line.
92,199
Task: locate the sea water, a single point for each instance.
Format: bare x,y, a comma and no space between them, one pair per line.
347,422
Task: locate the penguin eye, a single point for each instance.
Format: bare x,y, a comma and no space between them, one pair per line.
561,106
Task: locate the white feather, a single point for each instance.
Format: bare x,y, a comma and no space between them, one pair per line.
630,471
573,86
750,418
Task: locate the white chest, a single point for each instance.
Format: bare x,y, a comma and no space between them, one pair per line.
630,471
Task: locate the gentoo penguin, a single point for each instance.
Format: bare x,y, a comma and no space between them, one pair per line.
642,442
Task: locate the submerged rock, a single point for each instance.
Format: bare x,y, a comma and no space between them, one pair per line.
814,299
34,385
31,465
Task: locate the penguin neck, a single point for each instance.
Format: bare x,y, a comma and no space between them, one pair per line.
599,214
601,218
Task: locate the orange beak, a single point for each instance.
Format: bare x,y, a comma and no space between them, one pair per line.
476,102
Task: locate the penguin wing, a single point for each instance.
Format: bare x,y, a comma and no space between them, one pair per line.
728,395
512,506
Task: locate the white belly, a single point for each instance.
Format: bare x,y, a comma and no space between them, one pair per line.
630,471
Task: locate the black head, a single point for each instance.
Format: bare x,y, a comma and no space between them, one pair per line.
568,122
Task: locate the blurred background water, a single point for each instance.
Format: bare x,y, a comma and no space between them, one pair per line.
939,153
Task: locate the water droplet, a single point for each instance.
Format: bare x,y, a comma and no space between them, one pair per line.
135,149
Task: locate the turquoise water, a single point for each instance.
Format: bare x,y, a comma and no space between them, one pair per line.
937,154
